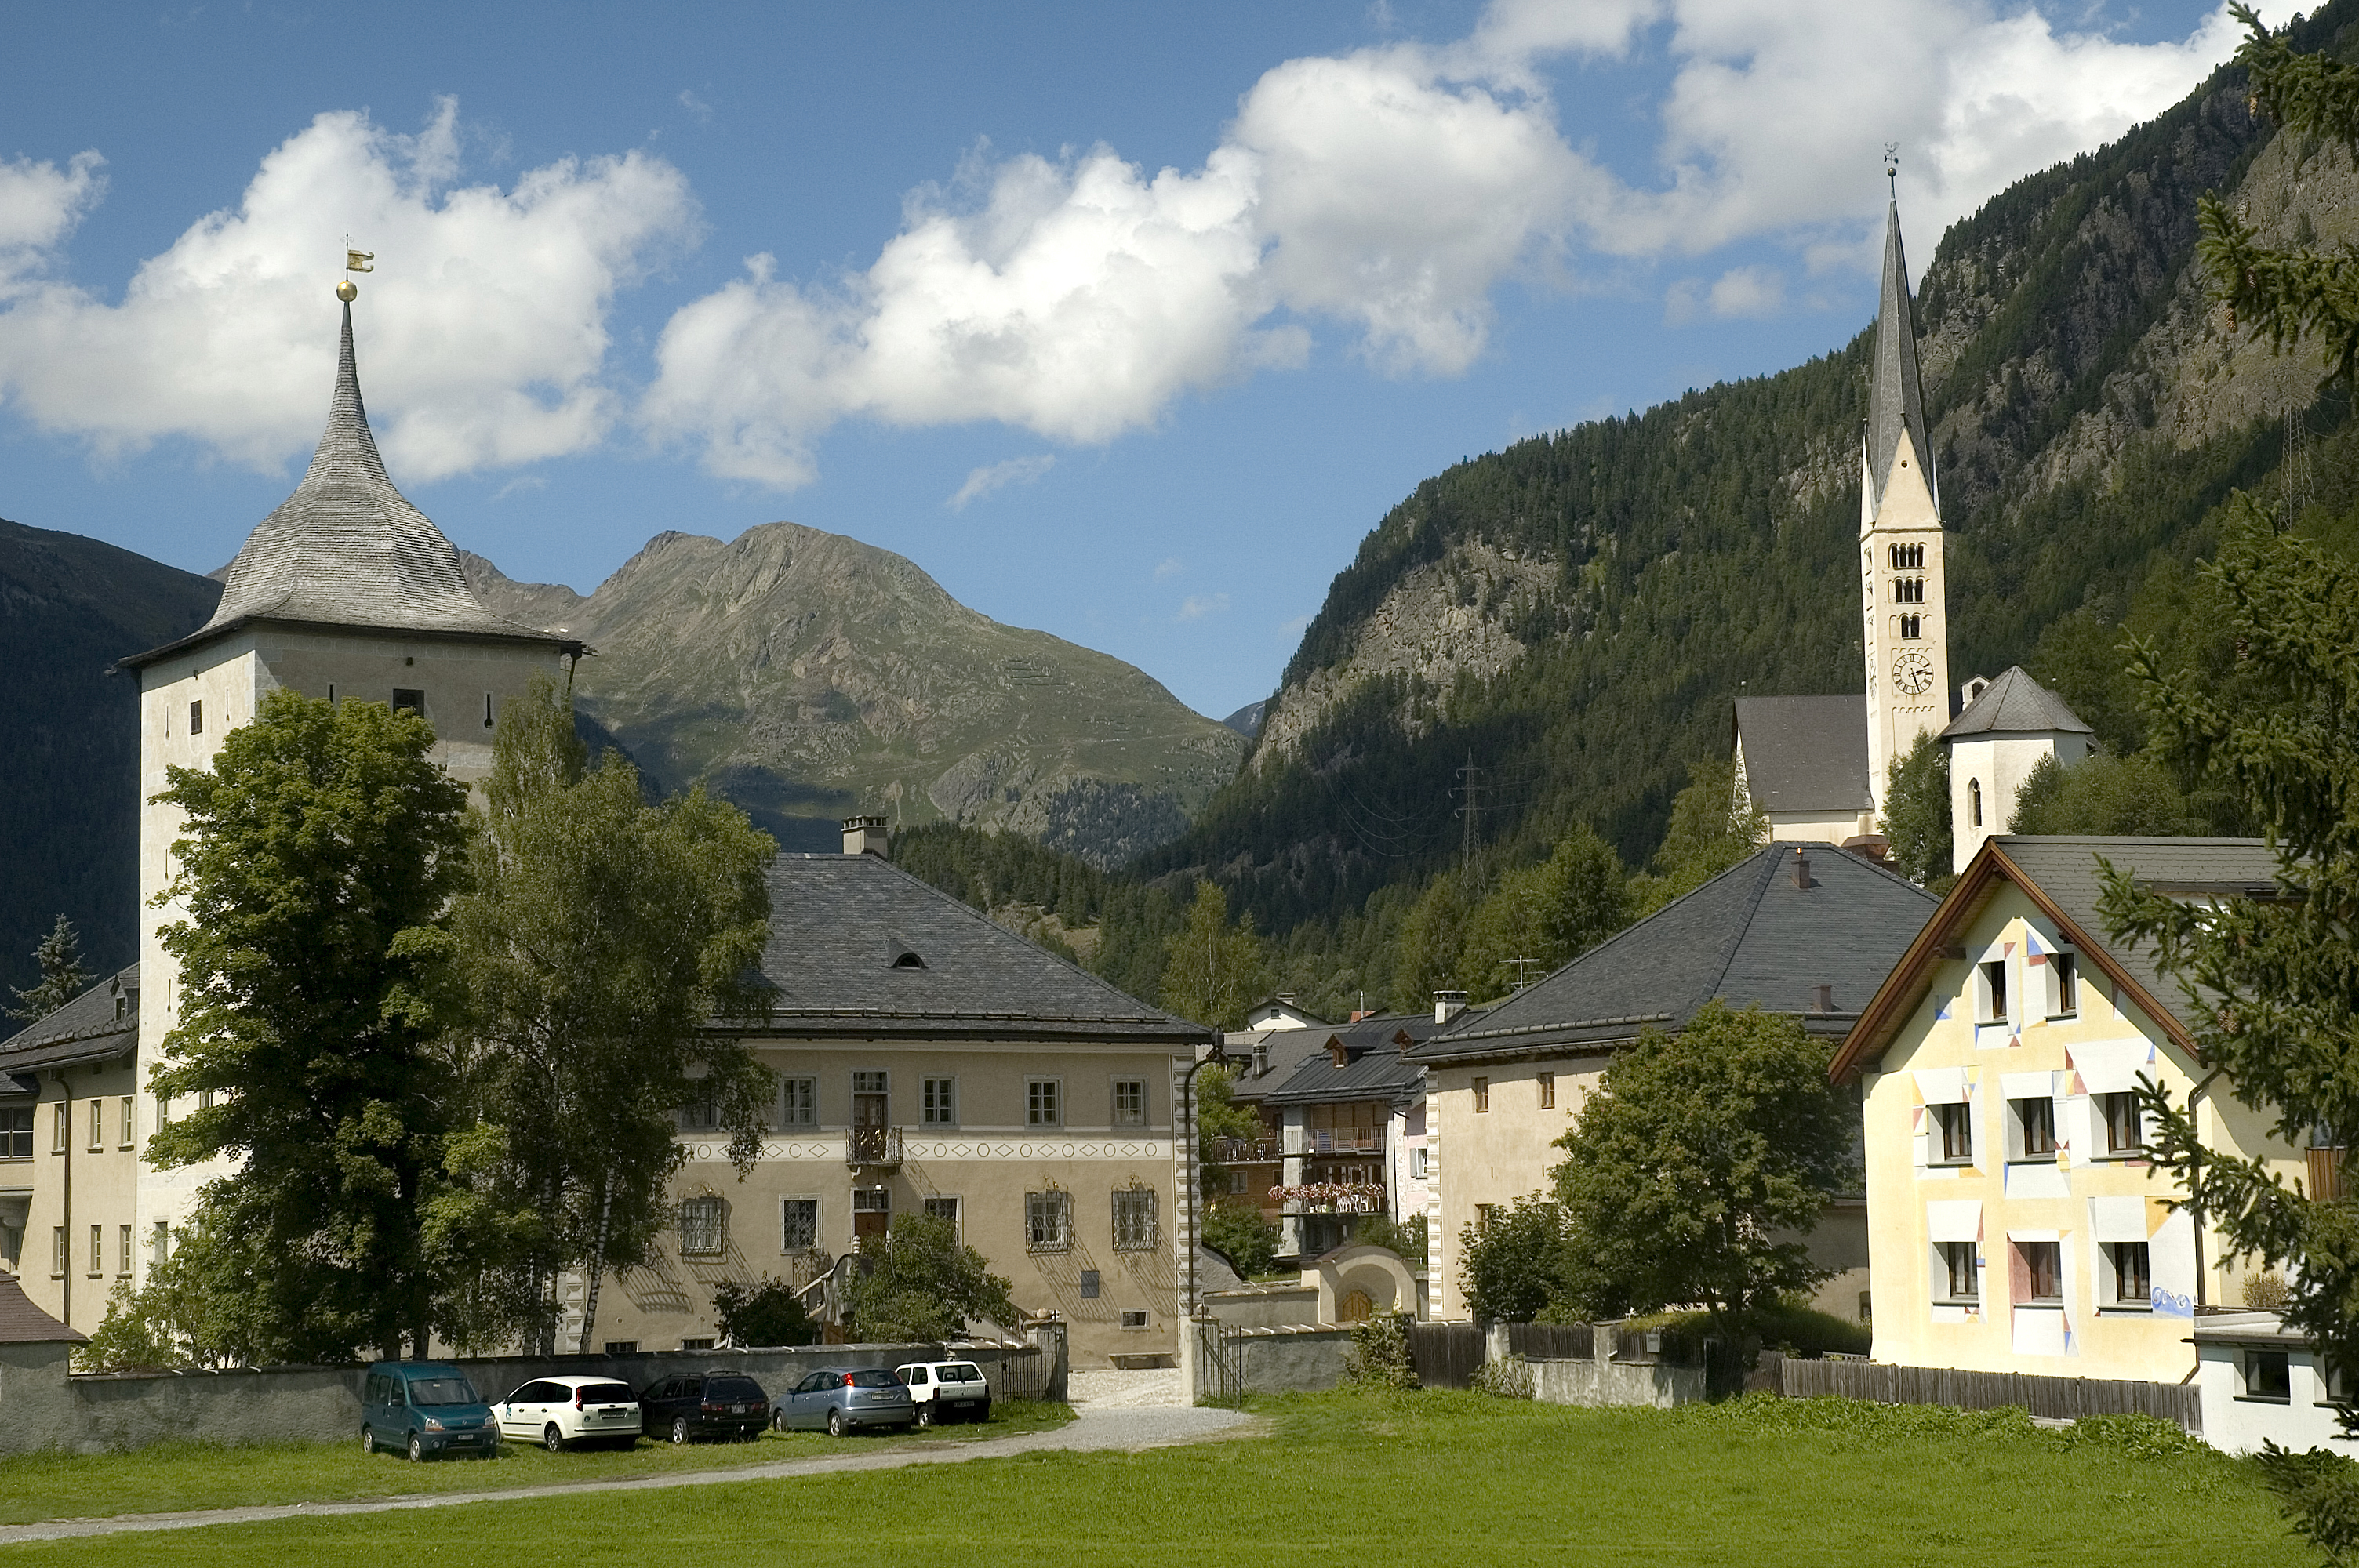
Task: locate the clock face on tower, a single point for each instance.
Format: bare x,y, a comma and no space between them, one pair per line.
1912,672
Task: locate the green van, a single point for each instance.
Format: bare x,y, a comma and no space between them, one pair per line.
422,1408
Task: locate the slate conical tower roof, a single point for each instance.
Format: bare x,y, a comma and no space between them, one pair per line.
1896,398
346,549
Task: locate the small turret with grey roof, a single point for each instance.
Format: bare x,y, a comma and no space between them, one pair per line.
2004,733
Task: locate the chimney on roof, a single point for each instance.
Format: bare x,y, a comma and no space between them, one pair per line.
1360,1012
1261,1059
867,836
1448,1005
1874,846
1801,868
1822,999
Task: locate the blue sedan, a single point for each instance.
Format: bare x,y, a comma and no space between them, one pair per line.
841,1398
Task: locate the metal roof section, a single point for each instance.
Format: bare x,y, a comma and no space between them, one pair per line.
348,550
1804,753
99,1025
2015,704
2060,874
843,929
1897,396
1376,1066
1754,933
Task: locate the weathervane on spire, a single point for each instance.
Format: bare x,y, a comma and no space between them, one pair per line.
354,261
1891,166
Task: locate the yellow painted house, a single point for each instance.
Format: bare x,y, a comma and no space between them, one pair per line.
2014,1222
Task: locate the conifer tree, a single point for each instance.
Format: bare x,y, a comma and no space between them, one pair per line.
1916,820
62,976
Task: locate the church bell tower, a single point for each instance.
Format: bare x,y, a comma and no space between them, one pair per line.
1901,579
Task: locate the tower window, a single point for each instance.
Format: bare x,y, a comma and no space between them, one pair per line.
1908,590
1911,628
196,719
487,711
1908,558
405,700
1974,803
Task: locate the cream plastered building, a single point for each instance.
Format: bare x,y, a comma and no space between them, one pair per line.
1800,929
347,592
2015,1223
929,1062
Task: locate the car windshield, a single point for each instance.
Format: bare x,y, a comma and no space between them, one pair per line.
606,1394
732,1388
874,1377
958,1372
442,1391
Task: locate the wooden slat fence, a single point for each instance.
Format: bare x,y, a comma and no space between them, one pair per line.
2067,1399
1447,1355
1552,1341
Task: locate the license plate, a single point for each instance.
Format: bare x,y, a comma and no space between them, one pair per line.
737,1409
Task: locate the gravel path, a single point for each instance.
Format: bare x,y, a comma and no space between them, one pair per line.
1097,1427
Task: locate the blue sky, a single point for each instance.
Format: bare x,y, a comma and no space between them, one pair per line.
1123,323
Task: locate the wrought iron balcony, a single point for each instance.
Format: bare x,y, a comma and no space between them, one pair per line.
1246,1150
872,1148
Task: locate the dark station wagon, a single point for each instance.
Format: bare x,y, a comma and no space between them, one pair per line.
705,1404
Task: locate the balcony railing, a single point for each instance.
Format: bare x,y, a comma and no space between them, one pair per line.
1246,1150
1322,1140
872,1148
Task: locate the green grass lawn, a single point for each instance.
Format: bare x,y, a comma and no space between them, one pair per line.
170,1477
1351,1479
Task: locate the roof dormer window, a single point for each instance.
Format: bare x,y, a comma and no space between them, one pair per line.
907,960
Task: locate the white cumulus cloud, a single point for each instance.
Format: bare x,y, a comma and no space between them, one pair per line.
983,481
483,332
1197,606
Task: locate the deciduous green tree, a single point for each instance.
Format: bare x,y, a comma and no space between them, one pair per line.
318,854
1695,1169
2104,794
917,1281
1216,970
1917,814
597,936
1548,913
1432,944
1711,830
1513,1267
1234,1227
62,976
765,1312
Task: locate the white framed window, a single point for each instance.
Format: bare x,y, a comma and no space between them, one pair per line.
2266,1375
2129,1273
122,1135
123,1251
1546,1082
1481,1097
1044,1102
797,1102
2124,1123
1990,992
871,1082
1419,1163
798,1225
1047,1221
1130,1102
2042,1269
1133,1219
1953,1134
939,1208
15,1132
62,1129
704,1228
1962,1279
160,1244
56,1251
938,1102
97,1125
2063,984
1134,1319
2031,1129
97,1251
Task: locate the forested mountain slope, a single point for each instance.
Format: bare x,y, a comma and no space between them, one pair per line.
70,607
1575,614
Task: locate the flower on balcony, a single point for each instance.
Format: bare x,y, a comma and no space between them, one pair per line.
1333,1198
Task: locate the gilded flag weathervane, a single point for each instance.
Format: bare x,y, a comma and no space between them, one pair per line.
354,261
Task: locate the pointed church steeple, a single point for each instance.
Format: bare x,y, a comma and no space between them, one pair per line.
1897,397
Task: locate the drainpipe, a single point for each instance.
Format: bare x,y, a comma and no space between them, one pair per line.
65,1215
2195,1204
1192,1198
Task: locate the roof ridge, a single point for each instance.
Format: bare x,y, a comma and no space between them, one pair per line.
1766,859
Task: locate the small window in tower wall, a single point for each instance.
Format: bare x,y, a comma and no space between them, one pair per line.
1911,628
196,719
1908,558
1908,590
405,700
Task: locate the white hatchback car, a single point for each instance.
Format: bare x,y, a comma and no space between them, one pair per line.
946,1390
554,1412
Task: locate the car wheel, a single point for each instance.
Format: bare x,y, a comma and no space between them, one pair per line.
925,1415
836,1423
679,1429
368,1440
416,1449
552,1439
777,1421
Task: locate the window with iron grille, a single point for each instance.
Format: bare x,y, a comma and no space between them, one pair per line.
797,1102
1044,1102
1133,1219
1134,1320
1048,1222
703,1226
799,1228
939,1102
1130,1102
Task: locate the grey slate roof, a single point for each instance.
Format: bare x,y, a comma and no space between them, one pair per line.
96,1027
2065,869
859,948
2015,704
346,549
22,1323
1747,935
1374,1067
1896,398
1804,753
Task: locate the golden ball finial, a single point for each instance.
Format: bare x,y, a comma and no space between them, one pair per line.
348,291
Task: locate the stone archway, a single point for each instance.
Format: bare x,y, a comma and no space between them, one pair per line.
1356,1283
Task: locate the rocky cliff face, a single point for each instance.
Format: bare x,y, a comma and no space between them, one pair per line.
807,675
